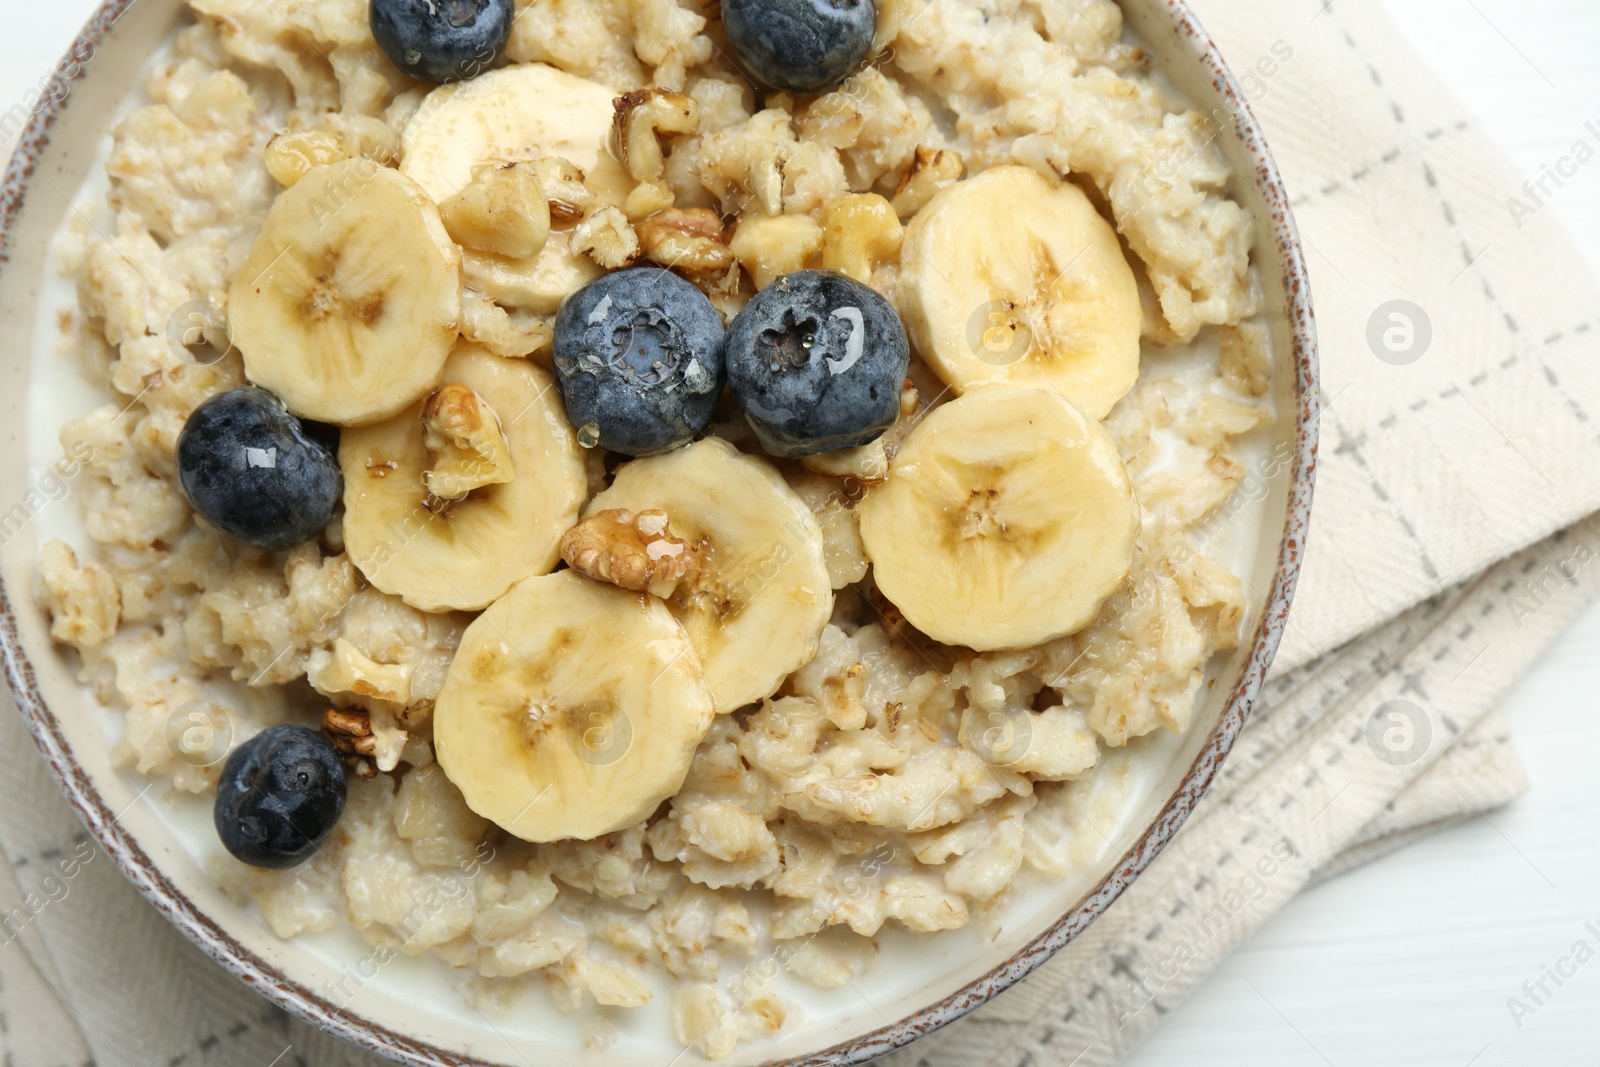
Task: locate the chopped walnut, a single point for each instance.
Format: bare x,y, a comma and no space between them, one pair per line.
334,138
931,170
466,446
834,119
860,231
726,289
909,399
607,238
646,199
564,189
770,245
515,334
642,116
350,730
688,240
634,551
502,210
293,152
347,671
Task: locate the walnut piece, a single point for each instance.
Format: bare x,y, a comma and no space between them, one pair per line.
568,197
634,551
648,198
688,240
770,245
502,210
346,670
350,730
641,117
466,446
860,231
334,138
514,333
607,238
931,170
293,152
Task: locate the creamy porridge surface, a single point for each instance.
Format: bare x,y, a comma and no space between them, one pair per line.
890,778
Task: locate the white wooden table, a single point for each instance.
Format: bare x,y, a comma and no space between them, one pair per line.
1412,960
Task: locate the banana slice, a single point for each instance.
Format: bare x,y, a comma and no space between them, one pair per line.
1006,278
503,442
761,598
522,112
538,284
350,301
527,112
572,709
1008,520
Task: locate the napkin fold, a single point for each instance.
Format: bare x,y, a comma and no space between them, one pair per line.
1453,540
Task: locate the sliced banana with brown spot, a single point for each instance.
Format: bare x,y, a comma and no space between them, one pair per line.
760,599
1007,278
499,434
1008,520
350,301
571,710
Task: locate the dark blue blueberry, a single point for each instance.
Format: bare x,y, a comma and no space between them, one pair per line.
816,361
441,40
280,795
638,356
800,46
255,471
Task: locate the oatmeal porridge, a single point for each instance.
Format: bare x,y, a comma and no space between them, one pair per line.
666,496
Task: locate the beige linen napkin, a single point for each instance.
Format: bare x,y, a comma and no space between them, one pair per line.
1421,601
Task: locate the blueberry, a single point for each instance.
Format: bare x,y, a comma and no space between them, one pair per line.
816,361
280,794
801,46
255,471
638,356
441,40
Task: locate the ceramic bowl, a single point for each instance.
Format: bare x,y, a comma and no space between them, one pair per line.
408,1015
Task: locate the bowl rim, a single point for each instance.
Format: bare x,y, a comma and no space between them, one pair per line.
137,866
